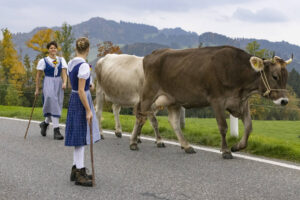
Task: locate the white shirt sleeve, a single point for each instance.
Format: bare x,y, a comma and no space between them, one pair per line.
84,71
64,63
41,65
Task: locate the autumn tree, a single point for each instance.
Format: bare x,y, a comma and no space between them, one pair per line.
12,69
39,42
1,51
65,40
107,47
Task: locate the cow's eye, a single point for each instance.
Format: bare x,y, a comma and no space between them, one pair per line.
275,77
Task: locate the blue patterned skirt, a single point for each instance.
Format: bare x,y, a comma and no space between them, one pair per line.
77,128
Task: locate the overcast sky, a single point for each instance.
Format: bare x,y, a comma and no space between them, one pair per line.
274,20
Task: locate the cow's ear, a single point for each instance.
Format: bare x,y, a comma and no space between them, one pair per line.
257,63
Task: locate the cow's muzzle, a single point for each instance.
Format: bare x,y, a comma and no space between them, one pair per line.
281,101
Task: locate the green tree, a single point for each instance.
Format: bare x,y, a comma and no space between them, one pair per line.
1,60
294,81
253,48
12,97
65,40
28,68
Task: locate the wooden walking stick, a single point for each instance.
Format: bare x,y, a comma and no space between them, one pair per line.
92,153
30,116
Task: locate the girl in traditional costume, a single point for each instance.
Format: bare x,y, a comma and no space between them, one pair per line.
54,68
81,112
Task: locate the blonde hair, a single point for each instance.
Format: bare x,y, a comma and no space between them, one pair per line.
82,44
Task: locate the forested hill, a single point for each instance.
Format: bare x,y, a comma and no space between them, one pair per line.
121,33
281,49
126,33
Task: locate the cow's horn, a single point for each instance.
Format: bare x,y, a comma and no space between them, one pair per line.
273,54
289,60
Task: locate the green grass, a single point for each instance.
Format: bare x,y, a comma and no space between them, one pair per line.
275,139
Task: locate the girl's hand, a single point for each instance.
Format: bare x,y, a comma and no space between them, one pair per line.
36,92
89,117
64,86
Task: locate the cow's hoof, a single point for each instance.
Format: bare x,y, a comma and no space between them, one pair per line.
102,137
234,148
160,145
227,155
118,134
134,147
189,150
139,140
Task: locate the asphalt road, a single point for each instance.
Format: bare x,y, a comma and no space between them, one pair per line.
39,168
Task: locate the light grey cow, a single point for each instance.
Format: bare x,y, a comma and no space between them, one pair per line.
120,80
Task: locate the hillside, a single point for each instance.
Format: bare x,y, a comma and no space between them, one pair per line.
121,33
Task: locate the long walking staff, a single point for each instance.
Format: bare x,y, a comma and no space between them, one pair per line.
30,116
92,153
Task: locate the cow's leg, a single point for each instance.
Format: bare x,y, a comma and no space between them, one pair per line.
118,129
182,117
139,122
174,119
222,124
246,118
154,124
99,107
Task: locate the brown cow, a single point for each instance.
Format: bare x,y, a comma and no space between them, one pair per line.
222,77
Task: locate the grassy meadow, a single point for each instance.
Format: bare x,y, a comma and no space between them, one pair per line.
274,139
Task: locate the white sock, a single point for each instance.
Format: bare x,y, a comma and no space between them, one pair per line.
47,120
55,122
78,157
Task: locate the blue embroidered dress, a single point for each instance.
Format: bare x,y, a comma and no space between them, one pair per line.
53,94
77,128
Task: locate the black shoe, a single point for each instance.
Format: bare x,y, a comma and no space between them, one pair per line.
57,135
81,178
44,126
73,174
